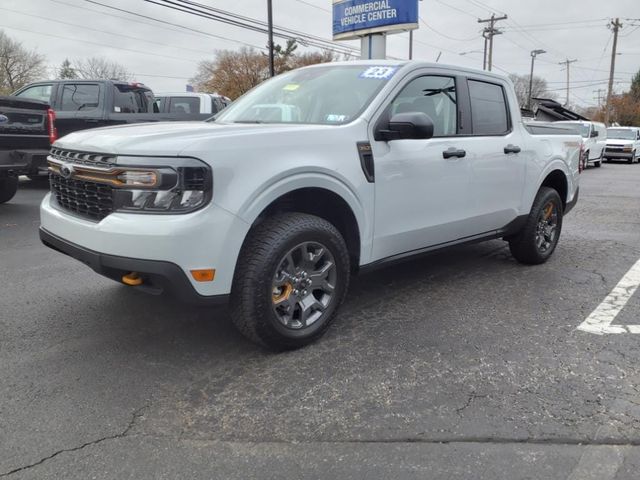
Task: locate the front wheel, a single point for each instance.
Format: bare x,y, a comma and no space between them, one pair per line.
8,188
292,275
538,239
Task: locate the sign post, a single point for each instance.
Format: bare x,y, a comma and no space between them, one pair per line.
371,21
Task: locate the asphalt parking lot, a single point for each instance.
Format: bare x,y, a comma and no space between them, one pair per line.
459,365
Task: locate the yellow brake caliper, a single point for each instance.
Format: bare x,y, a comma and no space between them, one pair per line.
548,211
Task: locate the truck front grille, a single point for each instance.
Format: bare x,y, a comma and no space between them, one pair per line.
86,199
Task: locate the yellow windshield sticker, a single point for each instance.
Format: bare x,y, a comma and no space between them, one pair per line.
291,87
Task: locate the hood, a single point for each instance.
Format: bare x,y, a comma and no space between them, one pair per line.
165,138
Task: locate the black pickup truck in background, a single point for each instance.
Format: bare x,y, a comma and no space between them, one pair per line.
82,104
27,130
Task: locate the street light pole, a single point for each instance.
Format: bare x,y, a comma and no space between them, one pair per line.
534,53
272,67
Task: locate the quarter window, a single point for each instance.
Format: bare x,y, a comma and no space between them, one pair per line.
80,97
488,108
435,96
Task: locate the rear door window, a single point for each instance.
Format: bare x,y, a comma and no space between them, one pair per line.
127,99
37,92
184,105
489,111
80,97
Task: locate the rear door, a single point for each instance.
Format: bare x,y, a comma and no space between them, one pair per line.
496,155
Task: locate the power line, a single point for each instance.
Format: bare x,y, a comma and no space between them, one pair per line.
49,19
211,13
199,32
11,27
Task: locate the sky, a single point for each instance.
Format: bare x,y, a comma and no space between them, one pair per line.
164,57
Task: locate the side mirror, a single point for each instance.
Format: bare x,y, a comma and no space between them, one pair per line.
408,126
594,134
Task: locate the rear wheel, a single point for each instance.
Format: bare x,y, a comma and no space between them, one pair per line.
538,239
8,188
292,274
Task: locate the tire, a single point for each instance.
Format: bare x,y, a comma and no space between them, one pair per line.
585,162
598,163
265,292
525,246
8,188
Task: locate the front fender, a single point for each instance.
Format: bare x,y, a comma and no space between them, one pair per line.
291,181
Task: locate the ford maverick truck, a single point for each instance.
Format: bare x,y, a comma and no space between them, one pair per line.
309,178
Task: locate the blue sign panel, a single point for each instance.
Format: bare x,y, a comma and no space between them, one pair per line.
353,18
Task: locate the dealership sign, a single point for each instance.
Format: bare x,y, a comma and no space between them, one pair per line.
355,18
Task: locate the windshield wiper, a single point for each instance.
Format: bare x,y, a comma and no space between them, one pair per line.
248,121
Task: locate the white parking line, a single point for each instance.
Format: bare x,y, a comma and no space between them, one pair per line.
599,322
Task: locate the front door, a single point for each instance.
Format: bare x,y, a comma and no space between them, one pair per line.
422,198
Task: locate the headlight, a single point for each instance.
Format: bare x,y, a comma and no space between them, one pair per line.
180,188
627,148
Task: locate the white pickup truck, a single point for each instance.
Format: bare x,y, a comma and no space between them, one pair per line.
312,176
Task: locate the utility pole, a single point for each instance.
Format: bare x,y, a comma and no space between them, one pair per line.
488,34
272,67
567,62
616,26
599,91
534,53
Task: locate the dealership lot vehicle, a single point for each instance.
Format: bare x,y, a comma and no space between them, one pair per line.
206,104
623,143
311,176
27,129
594,140
84,104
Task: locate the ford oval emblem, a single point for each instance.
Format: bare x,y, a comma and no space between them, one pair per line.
66,171
3,119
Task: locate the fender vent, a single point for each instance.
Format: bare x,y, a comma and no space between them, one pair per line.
366,161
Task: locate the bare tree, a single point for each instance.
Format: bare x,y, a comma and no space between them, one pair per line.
18,66
521,84
233,73
95,68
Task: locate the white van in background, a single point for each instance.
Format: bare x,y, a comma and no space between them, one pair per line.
623,144
190,102
594,140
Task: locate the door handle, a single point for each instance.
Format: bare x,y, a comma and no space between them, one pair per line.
511,149
454,152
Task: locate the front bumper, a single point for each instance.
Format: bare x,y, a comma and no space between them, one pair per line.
162,248
24,162
618,154
159,276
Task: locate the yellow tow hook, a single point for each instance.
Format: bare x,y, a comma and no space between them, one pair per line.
132,279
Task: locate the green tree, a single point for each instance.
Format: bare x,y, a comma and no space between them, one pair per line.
66,71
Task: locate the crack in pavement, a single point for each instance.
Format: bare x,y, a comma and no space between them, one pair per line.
472,397
134,418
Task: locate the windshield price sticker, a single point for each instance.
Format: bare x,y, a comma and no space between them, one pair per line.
379,73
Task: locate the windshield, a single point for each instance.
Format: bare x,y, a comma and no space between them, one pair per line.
331,95
580,128
621,134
